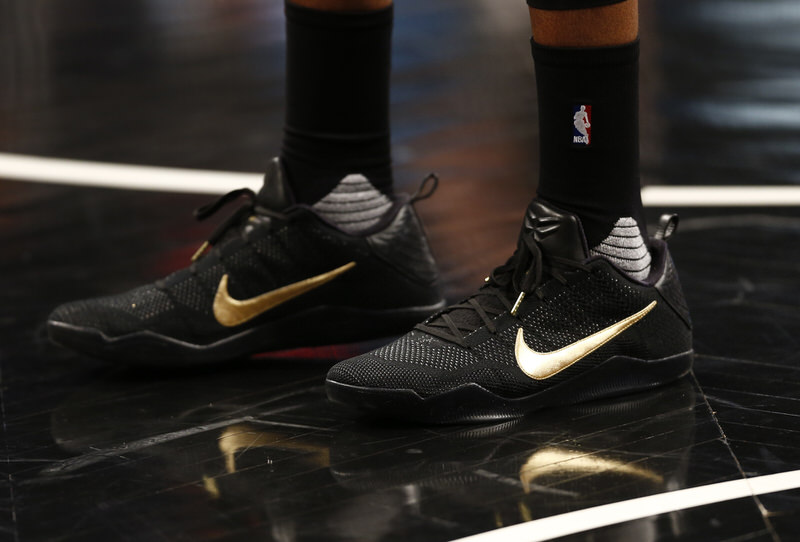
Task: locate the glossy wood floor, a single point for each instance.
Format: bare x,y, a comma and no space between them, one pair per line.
253,451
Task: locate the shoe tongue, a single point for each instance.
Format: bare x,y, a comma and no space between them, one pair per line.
558,233
275,194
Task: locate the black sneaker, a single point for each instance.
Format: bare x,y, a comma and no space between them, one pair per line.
276,276
552,326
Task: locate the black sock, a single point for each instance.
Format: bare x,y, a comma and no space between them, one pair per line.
337,99
590,171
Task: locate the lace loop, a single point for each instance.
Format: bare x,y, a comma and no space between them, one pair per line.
201,213
238,216
426,188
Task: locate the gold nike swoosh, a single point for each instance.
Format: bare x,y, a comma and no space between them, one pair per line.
231,312
542,365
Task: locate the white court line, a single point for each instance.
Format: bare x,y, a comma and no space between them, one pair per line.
721,196
104,175
619,512
199,181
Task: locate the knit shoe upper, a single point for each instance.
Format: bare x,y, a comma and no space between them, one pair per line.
277,275
552,325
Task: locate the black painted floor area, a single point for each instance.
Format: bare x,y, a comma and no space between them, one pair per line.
253,451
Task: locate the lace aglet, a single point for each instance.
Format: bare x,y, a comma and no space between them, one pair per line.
517,303
200,251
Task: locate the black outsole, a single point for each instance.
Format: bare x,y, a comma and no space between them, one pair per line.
472,403
316,327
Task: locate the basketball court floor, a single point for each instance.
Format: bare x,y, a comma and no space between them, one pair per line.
117,119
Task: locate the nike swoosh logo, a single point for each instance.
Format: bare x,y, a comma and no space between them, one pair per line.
542,365
231,312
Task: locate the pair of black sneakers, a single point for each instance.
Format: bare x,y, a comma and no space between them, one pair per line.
551,326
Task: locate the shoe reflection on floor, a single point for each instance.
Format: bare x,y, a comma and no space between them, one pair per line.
284,461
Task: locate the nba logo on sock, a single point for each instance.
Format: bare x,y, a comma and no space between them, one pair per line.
582,125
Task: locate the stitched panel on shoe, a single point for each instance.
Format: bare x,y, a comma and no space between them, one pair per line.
193,294
670,287
273,247
370,371
403,244
124,313
579,311
248,273
423,349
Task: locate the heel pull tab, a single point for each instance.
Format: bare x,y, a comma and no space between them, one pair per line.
667,226
426,188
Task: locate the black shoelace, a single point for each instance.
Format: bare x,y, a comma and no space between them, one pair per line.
235,221
524,273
